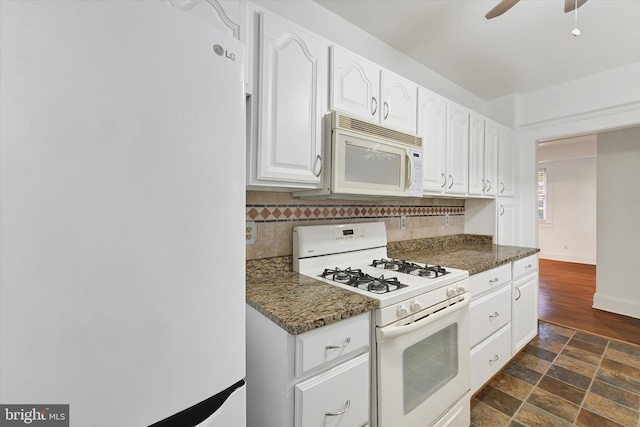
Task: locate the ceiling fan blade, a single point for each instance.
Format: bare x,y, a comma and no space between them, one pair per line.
502,7
570,5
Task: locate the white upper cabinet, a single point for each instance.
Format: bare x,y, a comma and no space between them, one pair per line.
286,144
432,127
506,222
477,182
491,141
362,88
222,14
355,84
399,102
506,162
483,156
457,149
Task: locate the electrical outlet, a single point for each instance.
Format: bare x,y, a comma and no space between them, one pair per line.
446,219
403,222
250,232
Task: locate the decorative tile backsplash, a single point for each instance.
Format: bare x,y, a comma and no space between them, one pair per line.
276,213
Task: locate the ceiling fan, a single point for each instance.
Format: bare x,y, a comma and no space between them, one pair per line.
505,5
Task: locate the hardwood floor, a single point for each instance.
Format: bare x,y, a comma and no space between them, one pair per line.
566,299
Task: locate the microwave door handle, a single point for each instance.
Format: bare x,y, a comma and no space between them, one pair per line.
409,171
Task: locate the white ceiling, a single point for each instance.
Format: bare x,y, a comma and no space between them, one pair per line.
528,48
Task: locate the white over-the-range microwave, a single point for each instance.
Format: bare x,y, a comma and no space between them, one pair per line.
366,159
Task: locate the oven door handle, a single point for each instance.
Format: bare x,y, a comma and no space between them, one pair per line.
394,330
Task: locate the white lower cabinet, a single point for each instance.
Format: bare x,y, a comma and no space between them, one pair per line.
524,301
334,397
504,316
489,313
317,378
488,357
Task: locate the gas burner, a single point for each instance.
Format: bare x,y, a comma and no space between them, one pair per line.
347,276
401,266
360,280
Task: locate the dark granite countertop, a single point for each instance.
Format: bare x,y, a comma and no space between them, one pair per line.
470,252
299,303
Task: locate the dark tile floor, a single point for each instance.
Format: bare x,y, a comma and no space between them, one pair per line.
564,378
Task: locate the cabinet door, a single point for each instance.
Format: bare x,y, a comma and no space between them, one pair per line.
399,102
491,139
457,148
506,222
432,127
222,14
338,397
292,77
355,84
477,182
507,161
524,321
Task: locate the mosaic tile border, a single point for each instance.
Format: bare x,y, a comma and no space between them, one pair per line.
299,212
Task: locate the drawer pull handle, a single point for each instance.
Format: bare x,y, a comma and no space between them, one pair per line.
528,267
332,347
519,294
335,414
495,359
494,315
494,280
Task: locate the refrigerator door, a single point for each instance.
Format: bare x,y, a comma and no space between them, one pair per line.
122,159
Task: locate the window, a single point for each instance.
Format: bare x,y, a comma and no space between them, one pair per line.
542,194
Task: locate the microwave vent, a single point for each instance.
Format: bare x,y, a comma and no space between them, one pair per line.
350,123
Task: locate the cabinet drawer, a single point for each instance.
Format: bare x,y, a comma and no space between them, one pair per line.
322,345
488,280
489,313
342,390
489,357
524,266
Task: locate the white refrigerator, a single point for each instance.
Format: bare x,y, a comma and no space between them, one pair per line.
122,193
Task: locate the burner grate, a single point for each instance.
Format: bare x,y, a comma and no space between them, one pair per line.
360,280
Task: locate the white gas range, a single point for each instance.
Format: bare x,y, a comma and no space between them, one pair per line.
420,362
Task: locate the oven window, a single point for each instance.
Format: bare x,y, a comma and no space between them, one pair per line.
429,365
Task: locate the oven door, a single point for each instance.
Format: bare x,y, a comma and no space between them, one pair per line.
423,366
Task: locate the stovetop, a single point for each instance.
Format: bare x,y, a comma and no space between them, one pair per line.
354,257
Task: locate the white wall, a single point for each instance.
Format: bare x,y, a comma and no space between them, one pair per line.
607,101
618,207
569,233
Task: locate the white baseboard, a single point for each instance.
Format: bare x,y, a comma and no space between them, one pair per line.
567,258
617,305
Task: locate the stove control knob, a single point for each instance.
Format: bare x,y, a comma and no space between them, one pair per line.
461,289
451,292
415,306
402,311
